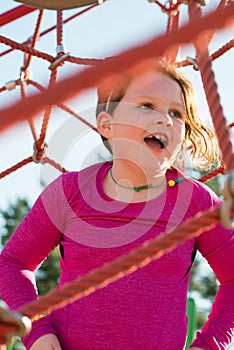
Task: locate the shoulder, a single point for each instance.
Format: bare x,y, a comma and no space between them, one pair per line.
70,183
202,197
78,178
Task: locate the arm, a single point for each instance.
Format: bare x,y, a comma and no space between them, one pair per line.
217,246
30,244
46,342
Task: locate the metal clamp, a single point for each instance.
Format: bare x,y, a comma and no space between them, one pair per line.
194,62
59,60
21,323
10,85
228,200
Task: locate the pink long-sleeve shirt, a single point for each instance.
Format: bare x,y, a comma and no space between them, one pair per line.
145,310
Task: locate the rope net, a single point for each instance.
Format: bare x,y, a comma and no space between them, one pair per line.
200,31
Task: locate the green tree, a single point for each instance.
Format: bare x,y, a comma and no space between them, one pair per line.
11,217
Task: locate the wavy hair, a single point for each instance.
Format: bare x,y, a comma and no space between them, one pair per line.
200,140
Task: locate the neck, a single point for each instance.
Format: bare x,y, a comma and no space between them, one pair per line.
127,195
132,175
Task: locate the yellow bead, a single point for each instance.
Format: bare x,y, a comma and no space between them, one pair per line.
171,183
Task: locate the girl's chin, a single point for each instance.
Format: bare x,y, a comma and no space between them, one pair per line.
160,165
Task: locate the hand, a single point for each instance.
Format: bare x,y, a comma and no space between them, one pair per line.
195,348
47,342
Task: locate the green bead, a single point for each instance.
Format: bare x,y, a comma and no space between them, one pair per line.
136,189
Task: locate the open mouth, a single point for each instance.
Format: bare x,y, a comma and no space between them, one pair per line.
156,141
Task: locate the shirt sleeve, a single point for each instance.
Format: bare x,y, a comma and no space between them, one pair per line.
38,234
217,246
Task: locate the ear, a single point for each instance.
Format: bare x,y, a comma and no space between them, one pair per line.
104,124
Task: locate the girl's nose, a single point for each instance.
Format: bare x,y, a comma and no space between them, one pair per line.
163,119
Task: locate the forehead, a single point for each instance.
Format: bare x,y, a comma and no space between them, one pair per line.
154,84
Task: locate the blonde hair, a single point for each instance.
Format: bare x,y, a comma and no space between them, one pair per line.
200,140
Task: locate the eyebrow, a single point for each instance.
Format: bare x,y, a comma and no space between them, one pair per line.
178,105
174,103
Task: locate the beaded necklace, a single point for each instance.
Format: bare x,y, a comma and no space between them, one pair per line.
170,183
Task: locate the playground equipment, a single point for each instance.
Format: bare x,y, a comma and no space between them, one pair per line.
58,92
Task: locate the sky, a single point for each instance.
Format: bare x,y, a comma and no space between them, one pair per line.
109,29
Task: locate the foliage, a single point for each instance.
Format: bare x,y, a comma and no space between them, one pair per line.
203,285
12,216
214,184
48,275
203,280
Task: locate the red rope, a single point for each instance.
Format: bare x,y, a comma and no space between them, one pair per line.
16,167
216,111
166,242
84,61
27,61
211,91
14,14
123,266
54,27
171,9
210,175
210,35
172,26
59,28
92,76
3,88
26,49
222,50
47,114
31,121
64,107
35,38
33,52
54,164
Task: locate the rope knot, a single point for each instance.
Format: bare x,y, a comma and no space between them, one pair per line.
40,153
228,200
172,7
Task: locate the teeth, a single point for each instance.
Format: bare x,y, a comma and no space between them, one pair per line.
162,138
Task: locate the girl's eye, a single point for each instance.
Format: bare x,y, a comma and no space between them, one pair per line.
175,114
146,106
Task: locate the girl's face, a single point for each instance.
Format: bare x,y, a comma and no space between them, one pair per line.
148,125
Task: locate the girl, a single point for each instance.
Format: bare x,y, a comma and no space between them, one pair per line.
146,117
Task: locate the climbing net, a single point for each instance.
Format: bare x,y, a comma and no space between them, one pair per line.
200,31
